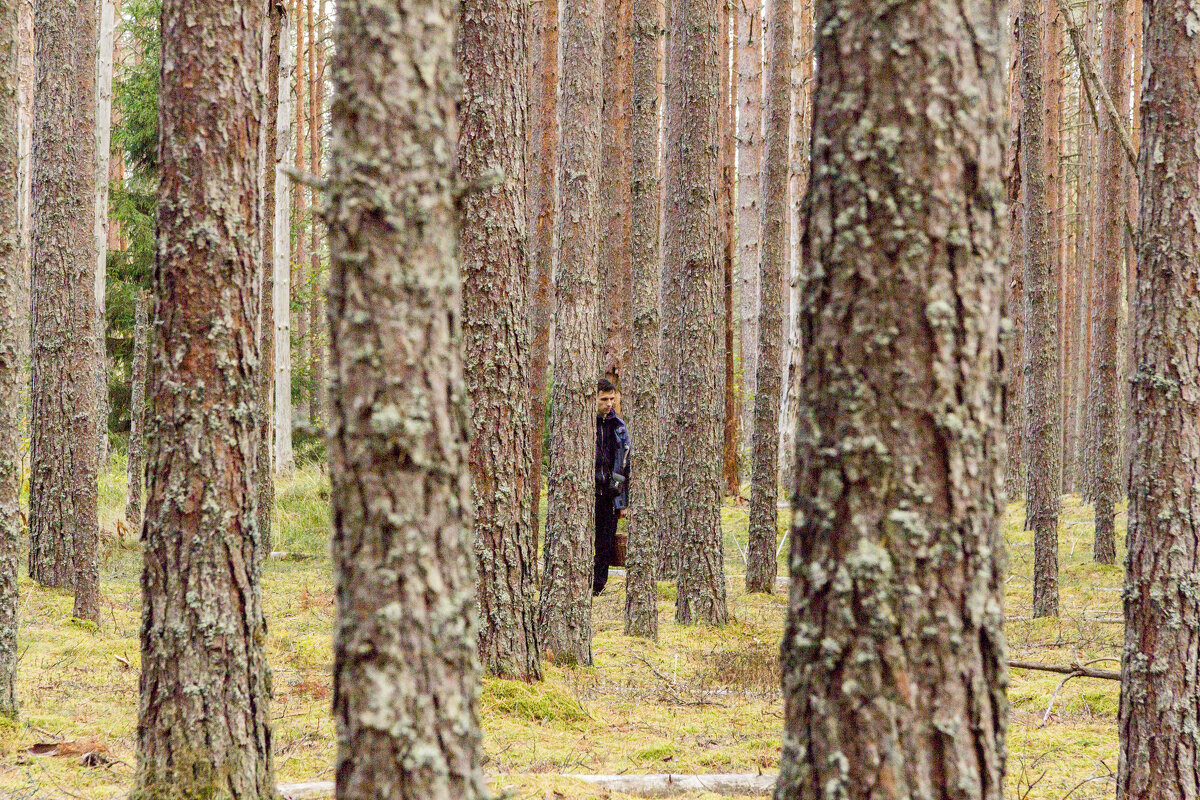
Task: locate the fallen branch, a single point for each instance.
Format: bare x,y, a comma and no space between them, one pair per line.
1074,670
672,785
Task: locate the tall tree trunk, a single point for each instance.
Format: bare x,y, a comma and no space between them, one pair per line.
1160,678
300,215
136,463
1043,439
1052,44
272,59
750,158
281,302
543,182
316,117
727,200
405,664
1014,343
761,566
204,722
641,594
894,655
616,279
565,613
493,53
11,275
692,340
64,529
26,80
104,98
1087,440
1112,201
1084,220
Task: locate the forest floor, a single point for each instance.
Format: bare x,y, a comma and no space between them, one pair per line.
701,700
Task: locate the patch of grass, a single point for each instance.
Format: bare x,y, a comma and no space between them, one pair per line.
534,702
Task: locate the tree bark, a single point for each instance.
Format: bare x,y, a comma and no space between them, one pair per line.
282,268
1014,342
136,463
104,97
316,124
64,529
641,593
1043,405
543,183
26,80
11,275
203,727
894,656
565,612
1160,679
692,340
405,663
493,53
300,215
616,279
750,162
761,566
727,200
1112,201
264,466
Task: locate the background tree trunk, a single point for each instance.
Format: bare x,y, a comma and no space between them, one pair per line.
1014,343
761,566
1159,714
281,302
300,217
565,613
543,182
616,278
316,131
727,202
1043,426
136,463
11,274
1112,201
896,552
104,97
64,529
405,667
493,53
641,594
749,191
692,340
26,79
203,727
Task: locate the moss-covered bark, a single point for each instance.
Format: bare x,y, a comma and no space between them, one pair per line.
11,275
894,655
64,528
1160,681
642,377
203,723
693,341
761,566
493,50
405,661
565,610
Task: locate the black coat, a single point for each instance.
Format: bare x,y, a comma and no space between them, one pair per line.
612,459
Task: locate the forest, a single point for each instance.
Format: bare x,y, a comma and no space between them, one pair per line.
572,399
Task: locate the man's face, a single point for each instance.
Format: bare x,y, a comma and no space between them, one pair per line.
604,402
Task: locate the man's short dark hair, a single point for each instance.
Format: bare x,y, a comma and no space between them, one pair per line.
605,385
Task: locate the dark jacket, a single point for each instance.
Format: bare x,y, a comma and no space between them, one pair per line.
612,459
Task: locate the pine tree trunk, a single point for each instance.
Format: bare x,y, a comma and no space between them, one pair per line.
692,340
493,53
894,655
316,115
565,612
642,382
727,200
616,277
11,275
1087,440
104,98
299,225
1084,219
281,301
203,727
1160,679
750,163
405,664
64,529
761,566
265,479
136,463
26,80
1052,44
543,177
1112,201
1014,343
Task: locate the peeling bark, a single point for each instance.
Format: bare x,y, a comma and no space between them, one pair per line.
893,656
405,664
493,53
203,723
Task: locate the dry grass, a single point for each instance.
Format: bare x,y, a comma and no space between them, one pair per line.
699,700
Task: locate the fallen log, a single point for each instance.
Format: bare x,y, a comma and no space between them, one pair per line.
672,785
1076,670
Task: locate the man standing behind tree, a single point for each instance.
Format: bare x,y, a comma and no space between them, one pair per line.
612,479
